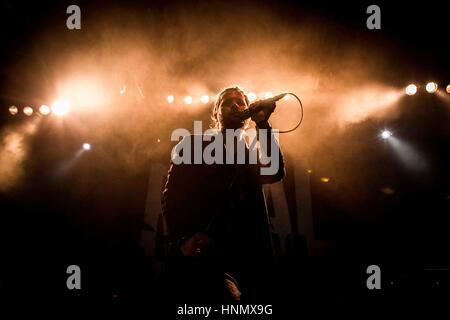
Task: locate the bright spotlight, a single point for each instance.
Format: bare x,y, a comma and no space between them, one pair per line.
44,110
188,100
204,99
13,110
268,95
251,96
170,98
325,179
386,134
448,88
122,90
431,87
60,107
86,146
411,89
28,111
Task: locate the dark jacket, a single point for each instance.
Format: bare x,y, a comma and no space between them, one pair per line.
224,201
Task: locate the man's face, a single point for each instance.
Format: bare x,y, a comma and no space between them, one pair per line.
232,102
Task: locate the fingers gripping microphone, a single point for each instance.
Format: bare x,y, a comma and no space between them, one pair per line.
260,105
270,105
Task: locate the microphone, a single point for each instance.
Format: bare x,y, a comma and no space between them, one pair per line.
258,106
267,101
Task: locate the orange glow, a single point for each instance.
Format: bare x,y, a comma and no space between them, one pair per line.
188,100
60,107
358,104
325,179
89,93
13,152
204,98
268,95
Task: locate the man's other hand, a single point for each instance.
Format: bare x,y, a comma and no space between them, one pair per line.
195,245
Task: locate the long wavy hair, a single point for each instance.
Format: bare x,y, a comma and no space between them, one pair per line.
216,116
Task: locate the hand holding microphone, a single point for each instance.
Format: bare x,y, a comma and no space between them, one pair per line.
262,109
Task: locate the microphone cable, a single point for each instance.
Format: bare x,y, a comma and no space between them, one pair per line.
301,117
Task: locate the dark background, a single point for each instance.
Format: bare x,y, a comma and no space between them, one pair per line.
57,218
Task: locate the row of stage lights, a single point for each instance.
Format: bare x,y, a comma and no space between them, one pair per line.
61,107
206,98
58,108
410,90
431,87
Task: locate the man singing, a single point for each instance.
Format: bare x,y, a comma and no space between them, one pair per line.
218,210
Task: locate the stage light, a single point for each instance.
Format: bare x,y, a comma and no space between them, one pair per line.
411,158
204,99
123,90
170,98
411,89
325,179
188,99
251,96
44,110
13,110
60,107
268,95
28,111
431,87
86,146
448,88
386,134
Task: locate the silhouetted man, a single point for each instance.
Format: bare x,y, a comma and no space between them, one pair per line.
218,209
